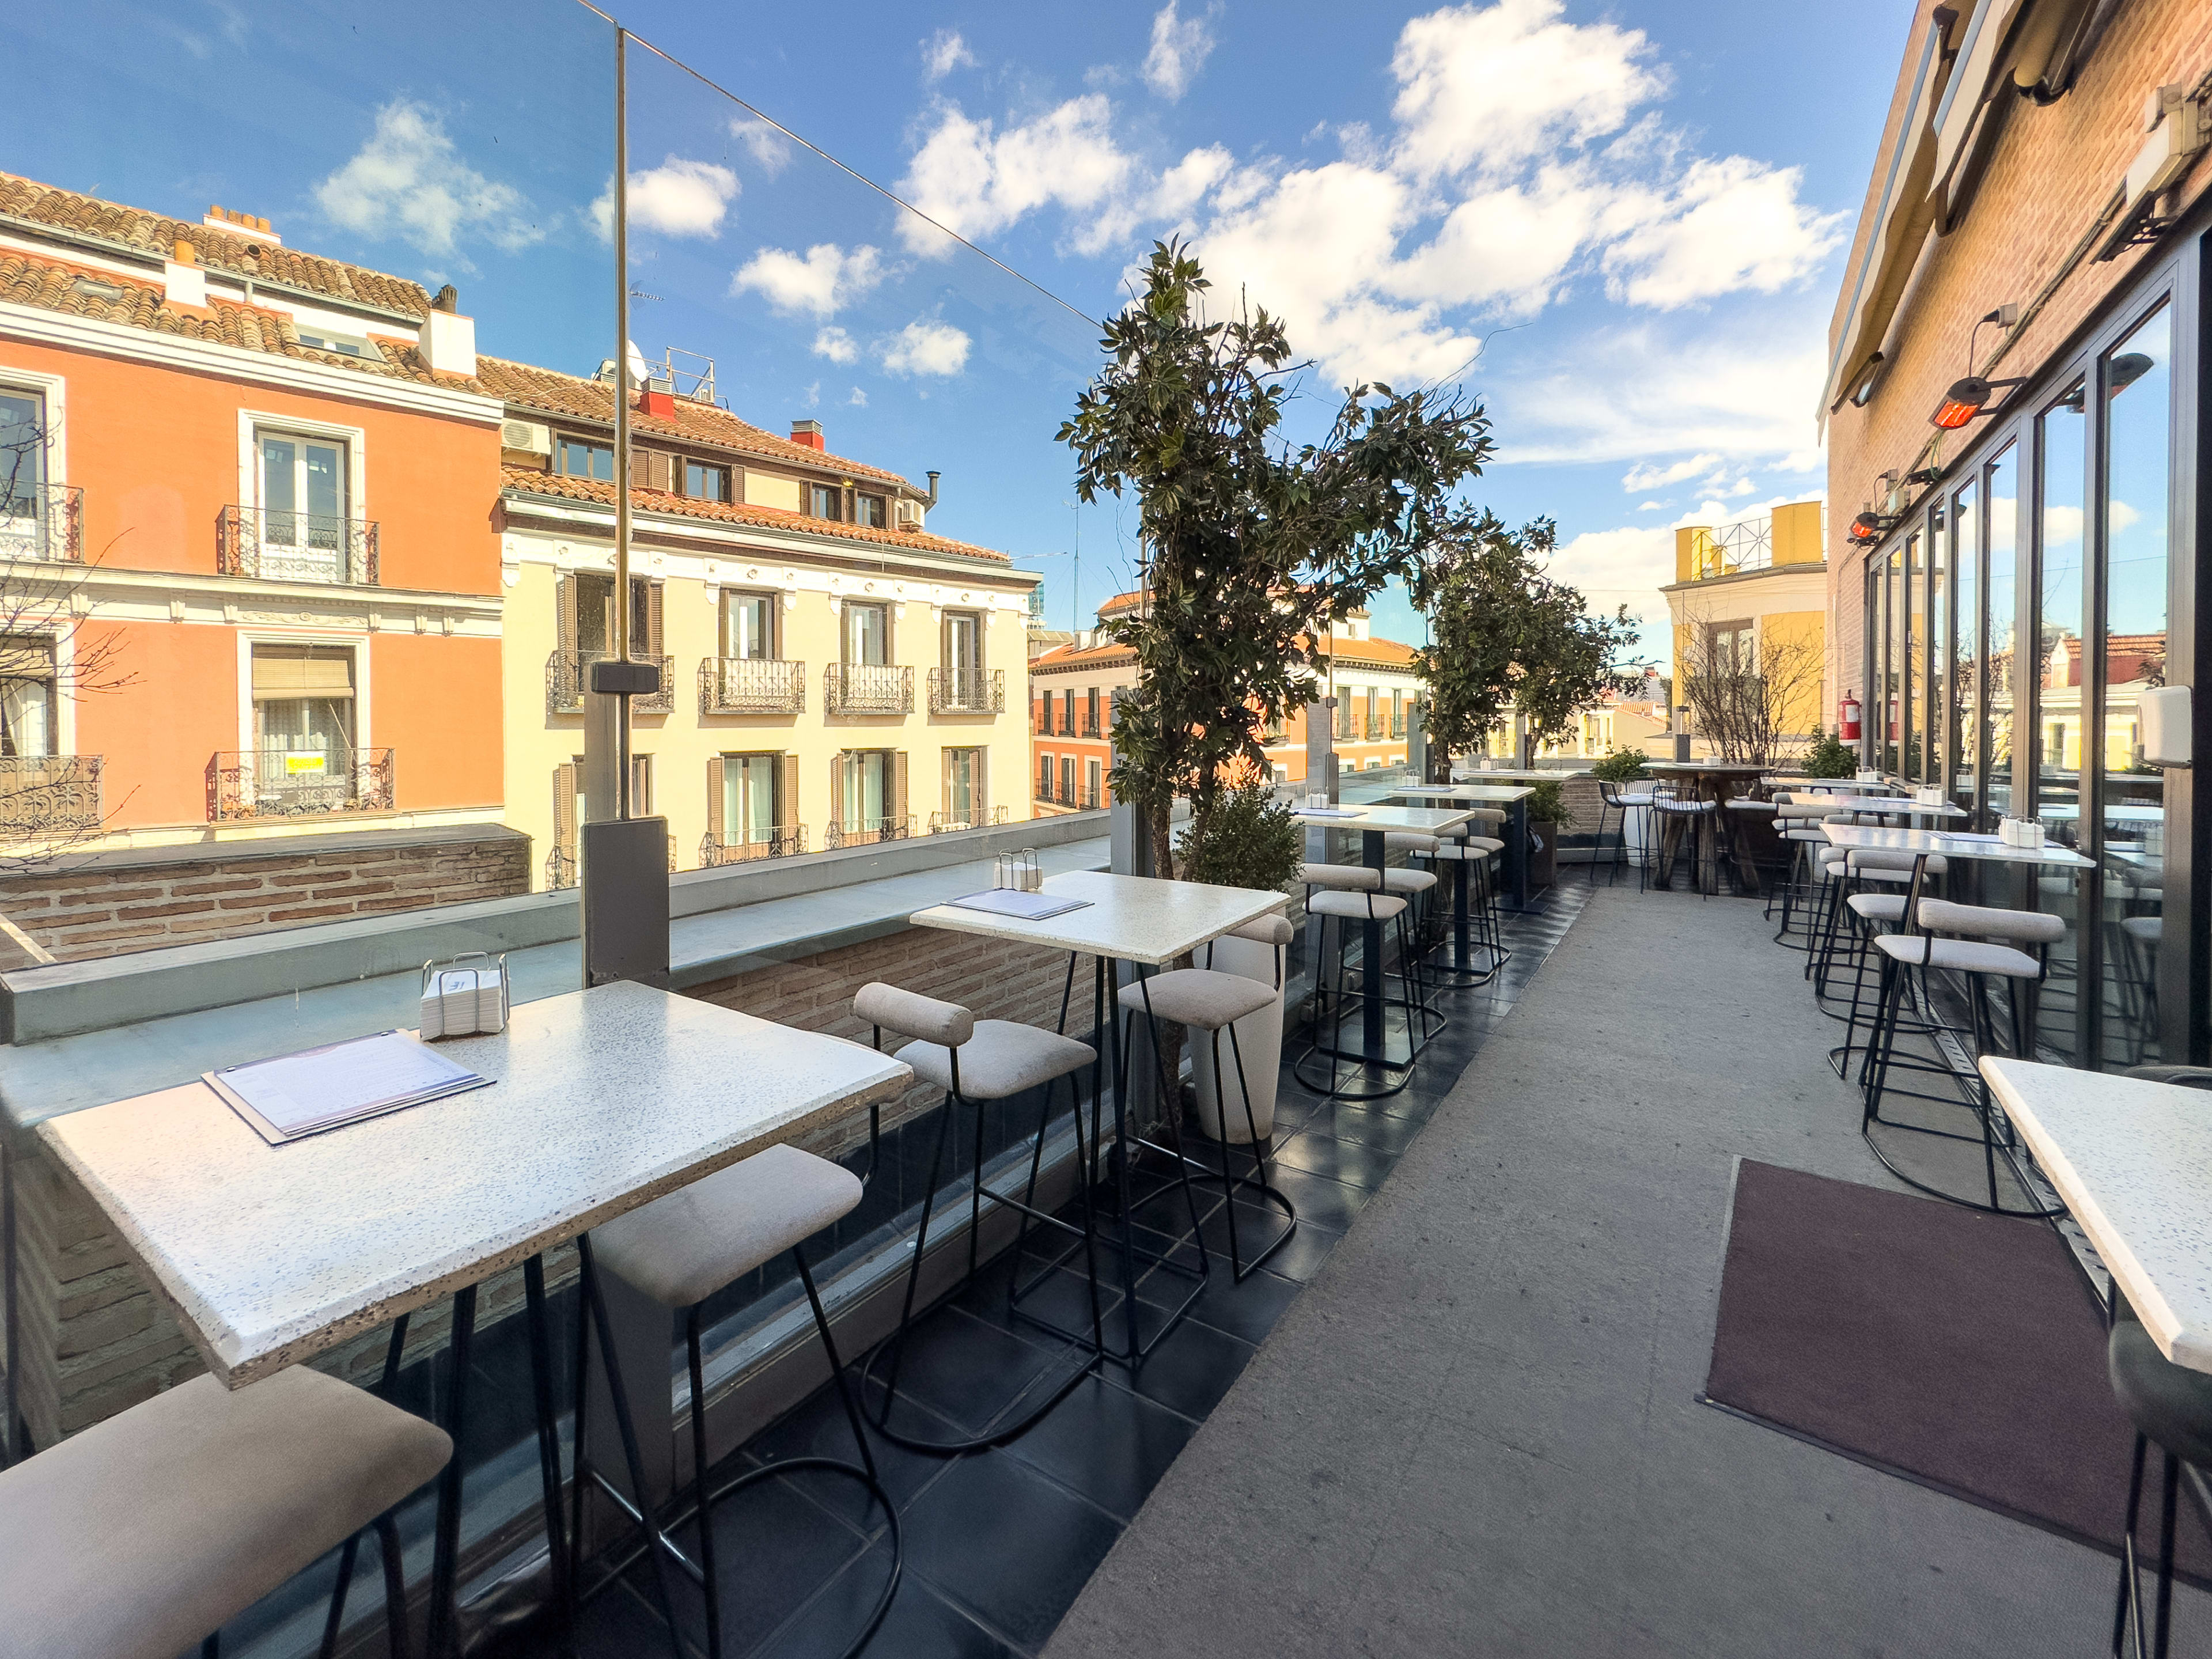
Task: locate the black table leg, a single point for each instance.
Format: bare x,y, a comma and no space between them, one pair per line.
549,1446
1371,1037
445,1561
1516,853
1460,948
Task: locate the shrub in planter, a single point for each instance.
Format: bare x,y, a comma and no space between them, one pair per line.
1829,757
1247,838
1620,766
1548,815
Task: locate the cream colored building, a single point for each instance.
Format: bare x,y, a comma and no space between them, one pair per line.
832,674
1761,589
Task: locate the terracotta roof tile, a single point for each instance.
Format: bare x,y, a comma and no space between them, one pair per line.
53,285
234,255
1071,656
532,481
553,393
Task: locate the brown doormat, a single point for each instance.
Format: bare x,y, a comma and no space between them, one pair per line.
1961,1351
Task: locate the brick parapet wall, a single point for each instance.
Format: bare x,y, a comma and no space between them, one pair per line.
2053,170
96,906
97,1339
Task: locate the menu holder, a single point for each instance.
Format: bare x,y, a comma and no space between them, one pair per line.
1012,902
291,1097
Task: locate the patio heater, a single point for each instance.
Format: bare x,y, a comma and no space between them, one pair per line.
624,861
1682,732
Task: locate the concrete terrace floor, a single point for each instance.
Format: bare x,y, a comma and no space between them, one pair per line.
1476,1431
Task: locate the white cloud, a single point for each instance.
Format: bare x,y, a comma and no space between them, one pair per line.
769,149
858,399
944,53
837,345
1180,48
1651,507
1730,225
680,197
820,282
1487,87
975,181
927,348
409,181
1650,476
1626,566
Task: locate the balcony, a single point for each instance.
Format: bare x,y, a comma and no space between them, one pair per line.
752,685
967,691
866,832
296,547
560,869
1091,728
568,677
737,847
48,798
277,783
1731,550
42,521
858,687
941,824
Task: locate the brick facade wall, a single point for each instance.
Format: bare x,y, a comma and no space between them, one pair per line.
98,905
2051,172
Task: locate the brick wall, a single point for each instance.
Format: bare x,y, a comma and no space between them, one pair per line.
2052,170
101,903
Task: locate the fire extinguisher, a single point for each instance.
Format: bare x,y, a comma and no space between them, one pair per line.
1848,718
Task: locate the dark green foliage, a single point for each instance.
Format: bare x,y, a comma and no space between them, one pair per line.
1829,758
1502,632
1548,804
1246,839
1620,766
1252,547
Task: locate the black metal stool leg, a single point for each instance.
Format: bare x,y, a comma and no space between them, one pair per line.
626,1427
708,1576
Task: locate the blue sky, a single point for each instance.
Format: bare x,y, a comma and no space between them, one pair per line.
1621,225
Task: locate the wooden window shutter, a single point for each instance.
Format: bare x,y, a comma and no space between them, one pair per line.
714,821
564,807
787,791
652,601
898,785
564,606
837,789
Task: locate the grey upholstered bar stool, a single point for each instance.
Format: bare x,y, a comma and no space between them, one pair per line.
145,1532
976,1062
1627,803
1346,894
1478,852
1209,1000
677,1251
1418,888
1982,944
2170,1405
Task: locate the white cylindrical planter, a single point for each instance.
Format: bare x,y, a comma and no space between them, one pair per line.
1259,1039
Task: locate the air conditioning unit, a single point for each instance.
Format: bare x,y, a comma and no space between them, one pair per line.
907,515
527,436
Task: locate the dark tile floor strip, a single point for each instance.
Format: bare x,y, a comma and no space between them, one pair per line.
999,1543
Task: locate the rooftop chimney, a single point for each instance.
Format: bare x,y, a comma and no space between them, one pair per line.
449,339
657,399
240,224
183,281
808,432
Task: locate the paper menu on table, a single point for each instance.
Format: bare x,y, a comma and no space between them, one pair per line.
318,1089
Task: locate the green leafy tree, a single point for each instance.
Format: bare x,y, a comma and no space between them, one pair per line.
1503,633
1253,547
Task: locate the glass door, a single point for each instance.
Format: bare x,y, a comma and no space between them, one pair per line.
749,802
303,509
1966,660
2002,675
747,621
23,475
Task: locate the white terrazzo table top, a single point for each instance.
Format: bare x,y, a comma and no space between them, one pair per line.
1950,846
1894,805
1128,918
1483,794
1414,820
2133,1160
1516,774
602,1100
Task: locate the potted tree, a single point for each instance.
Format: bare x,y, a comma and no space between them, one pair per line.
1548,815
1249,840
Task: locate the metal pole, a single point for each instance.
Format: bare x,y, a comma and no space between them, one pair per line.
622,640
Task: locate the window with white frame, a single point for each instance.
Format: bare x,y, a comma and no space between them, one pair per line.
302,517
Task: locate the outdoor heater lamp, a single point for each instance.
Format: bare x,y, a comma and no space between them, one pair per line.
1964,400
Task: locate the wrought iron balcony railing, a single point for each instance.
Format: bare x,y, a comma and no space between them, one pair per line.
49,797
752,685
1090,801
42,521
967,691
866,832
1091,728
944,823
560,869
568,676
282,783
296,547
742,847
860,688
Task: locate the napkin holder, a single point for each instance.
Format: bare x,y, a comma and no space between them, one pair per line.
466,996
1018,872
2021,832
1933,797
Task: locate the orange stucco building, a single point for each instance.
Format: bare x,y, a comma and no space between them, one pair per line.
248,535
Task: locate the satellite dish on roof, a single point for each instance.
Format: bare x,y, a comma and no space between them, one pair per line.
636,364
